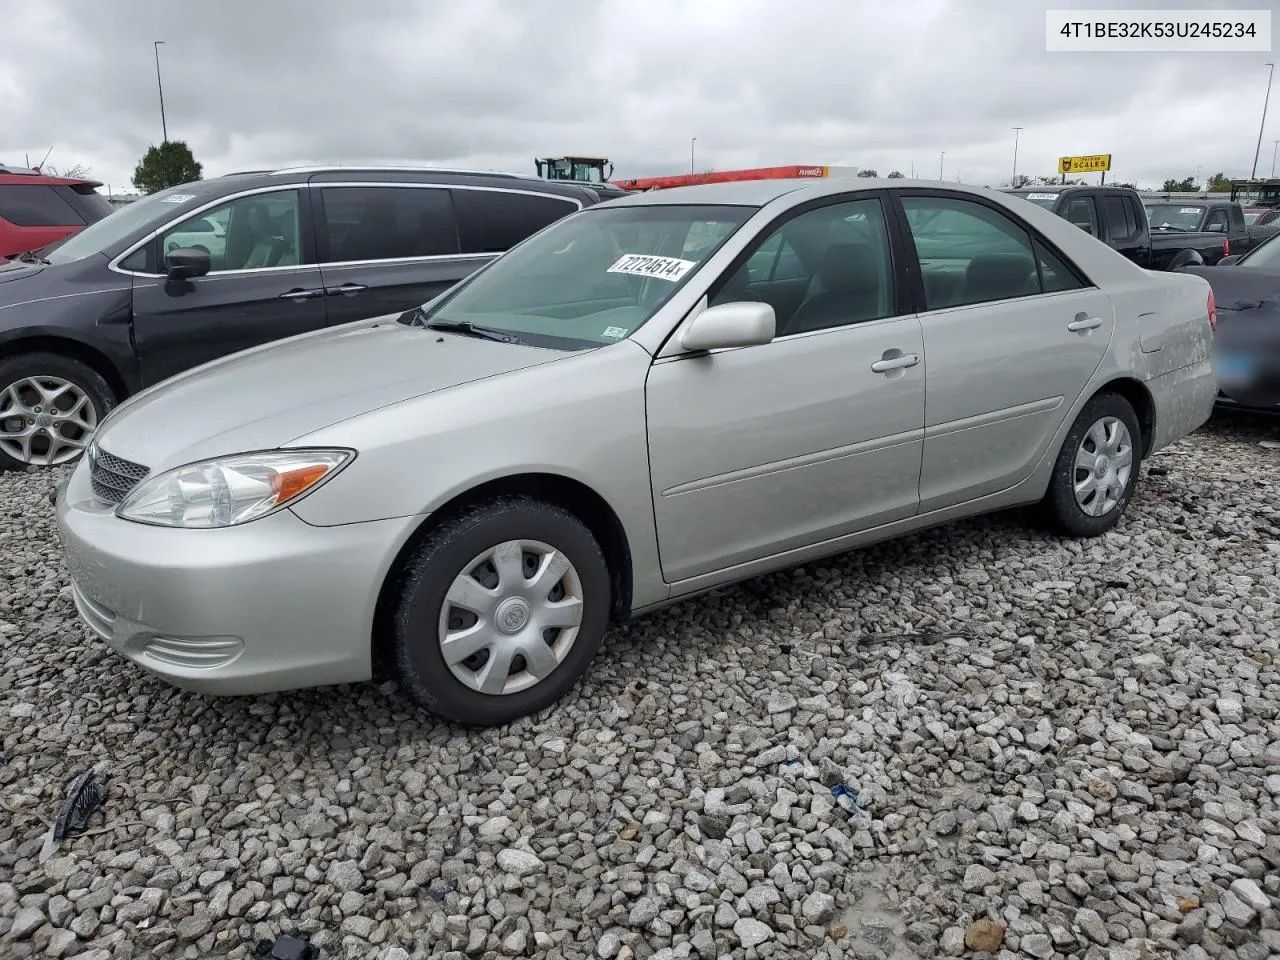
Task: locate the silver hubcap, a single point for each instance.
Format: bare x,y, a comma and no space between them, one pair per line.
1103,463
511,617
45,421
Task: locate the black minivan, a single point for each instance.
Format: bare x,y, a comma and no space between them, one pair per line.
193,273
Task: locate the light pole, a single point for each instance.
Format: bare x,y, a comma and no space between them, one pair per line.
941,157
163,126
1273,157
691,148
1013,180
1270,73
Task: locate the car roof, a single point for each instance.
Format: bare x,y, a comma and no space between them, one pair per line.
375,173
758,193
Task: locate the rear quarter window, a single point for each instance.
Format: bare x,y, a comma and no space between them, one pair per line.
37,205
494,221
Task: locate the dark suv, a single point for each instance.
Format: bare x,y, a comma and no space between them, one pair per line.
196,272
37,210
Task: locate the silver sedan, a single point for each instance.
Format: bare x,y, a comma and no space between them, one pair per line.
651,398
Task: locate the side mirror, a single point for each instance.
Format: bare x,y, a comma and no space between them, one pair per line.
186,263
743,324
1229,260
1216,228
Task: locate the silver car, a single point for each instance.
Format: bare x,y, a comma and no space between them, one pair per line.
646,400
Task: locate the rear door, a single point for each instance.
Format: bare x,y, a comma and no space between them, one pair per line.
1012,332
386,247
1125,225
264,285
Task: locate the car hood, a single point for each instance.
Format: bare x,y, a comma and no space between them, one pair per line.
11,270
265,397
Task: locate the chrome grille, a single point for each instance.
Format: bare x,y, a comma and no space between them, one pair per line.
112,477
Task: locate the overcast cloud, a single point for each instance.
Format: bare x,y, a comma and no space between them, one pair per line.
494,83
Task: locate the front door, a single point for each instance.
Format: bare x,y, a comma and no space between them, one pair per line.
264,285
818,434
1013,335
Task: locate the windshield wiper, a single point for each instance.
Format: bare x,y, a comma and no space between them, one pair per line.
29,256
470,329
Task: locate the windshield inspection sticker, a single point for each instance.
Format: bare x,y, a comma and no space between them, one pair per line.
645,265
1042,196
614,333
179,198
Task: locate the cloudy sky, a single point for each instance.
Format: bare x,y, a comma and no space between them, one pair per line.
885,84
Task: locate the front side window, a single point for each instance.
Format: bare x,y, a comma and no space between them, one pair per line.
1217,222
386,223
591,280
842,257
1082,212
262,230
970,253
493,221
37,205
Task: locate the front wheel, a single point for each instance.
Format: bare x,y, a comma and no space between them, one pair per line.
499,611
50,406
1097,468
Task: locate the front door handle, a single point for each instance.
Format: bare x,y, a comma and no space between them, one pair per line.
300,294
895,363
1082,322
346,288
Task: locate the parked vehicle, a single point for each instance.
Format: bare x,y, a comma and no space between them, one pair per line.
37,210
1116,216
611,417
1261,216
1246,353
1209,216
199,271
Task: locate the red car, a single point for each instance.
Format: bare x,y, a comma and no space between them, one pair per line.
37,210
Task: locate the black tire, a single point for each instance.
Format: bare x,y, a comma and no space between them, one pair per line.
85,378
420,589
1059,508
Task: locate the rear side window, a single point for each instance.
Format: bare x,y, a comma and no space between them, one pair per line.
386,223
493,221
1121,221
37,206
1237,219
1055,275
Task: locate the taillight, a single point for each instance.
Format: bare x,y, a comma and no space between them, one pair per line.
1226,246
1213,313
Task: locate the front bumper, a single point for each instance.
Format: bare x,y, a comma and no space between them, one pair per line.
276,604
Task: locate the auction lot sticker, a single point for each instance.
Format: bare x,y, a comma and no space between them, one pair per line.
645,265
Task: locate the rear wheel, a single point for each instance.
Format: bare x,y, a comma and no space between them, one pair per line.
500,611
50,406
1097,469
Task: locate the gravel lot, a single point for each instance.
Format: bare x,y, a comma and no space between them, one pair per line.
1077,755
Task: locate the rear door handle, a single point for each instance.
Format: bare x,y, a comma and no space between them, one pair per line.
1081,322
300,294
346,288
895,363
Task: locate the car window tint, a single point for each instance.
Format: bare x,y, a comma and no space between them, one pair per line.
1055,275
261,230
825,268
1082,212
1120,219
386,223
493,221
969,253
37,206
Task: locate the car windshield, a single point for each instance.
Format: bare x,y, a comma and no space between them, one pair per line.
1265,255
1040,199
150,211
1179,216
593,278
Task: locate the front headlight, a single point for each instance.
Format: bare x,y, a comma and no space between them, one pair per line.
230,490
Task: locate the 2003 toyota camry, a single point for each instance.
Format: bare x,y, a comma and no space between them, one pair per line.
647,399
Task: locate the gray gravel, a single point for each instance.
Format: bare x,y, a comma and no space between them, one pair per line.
1094,772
